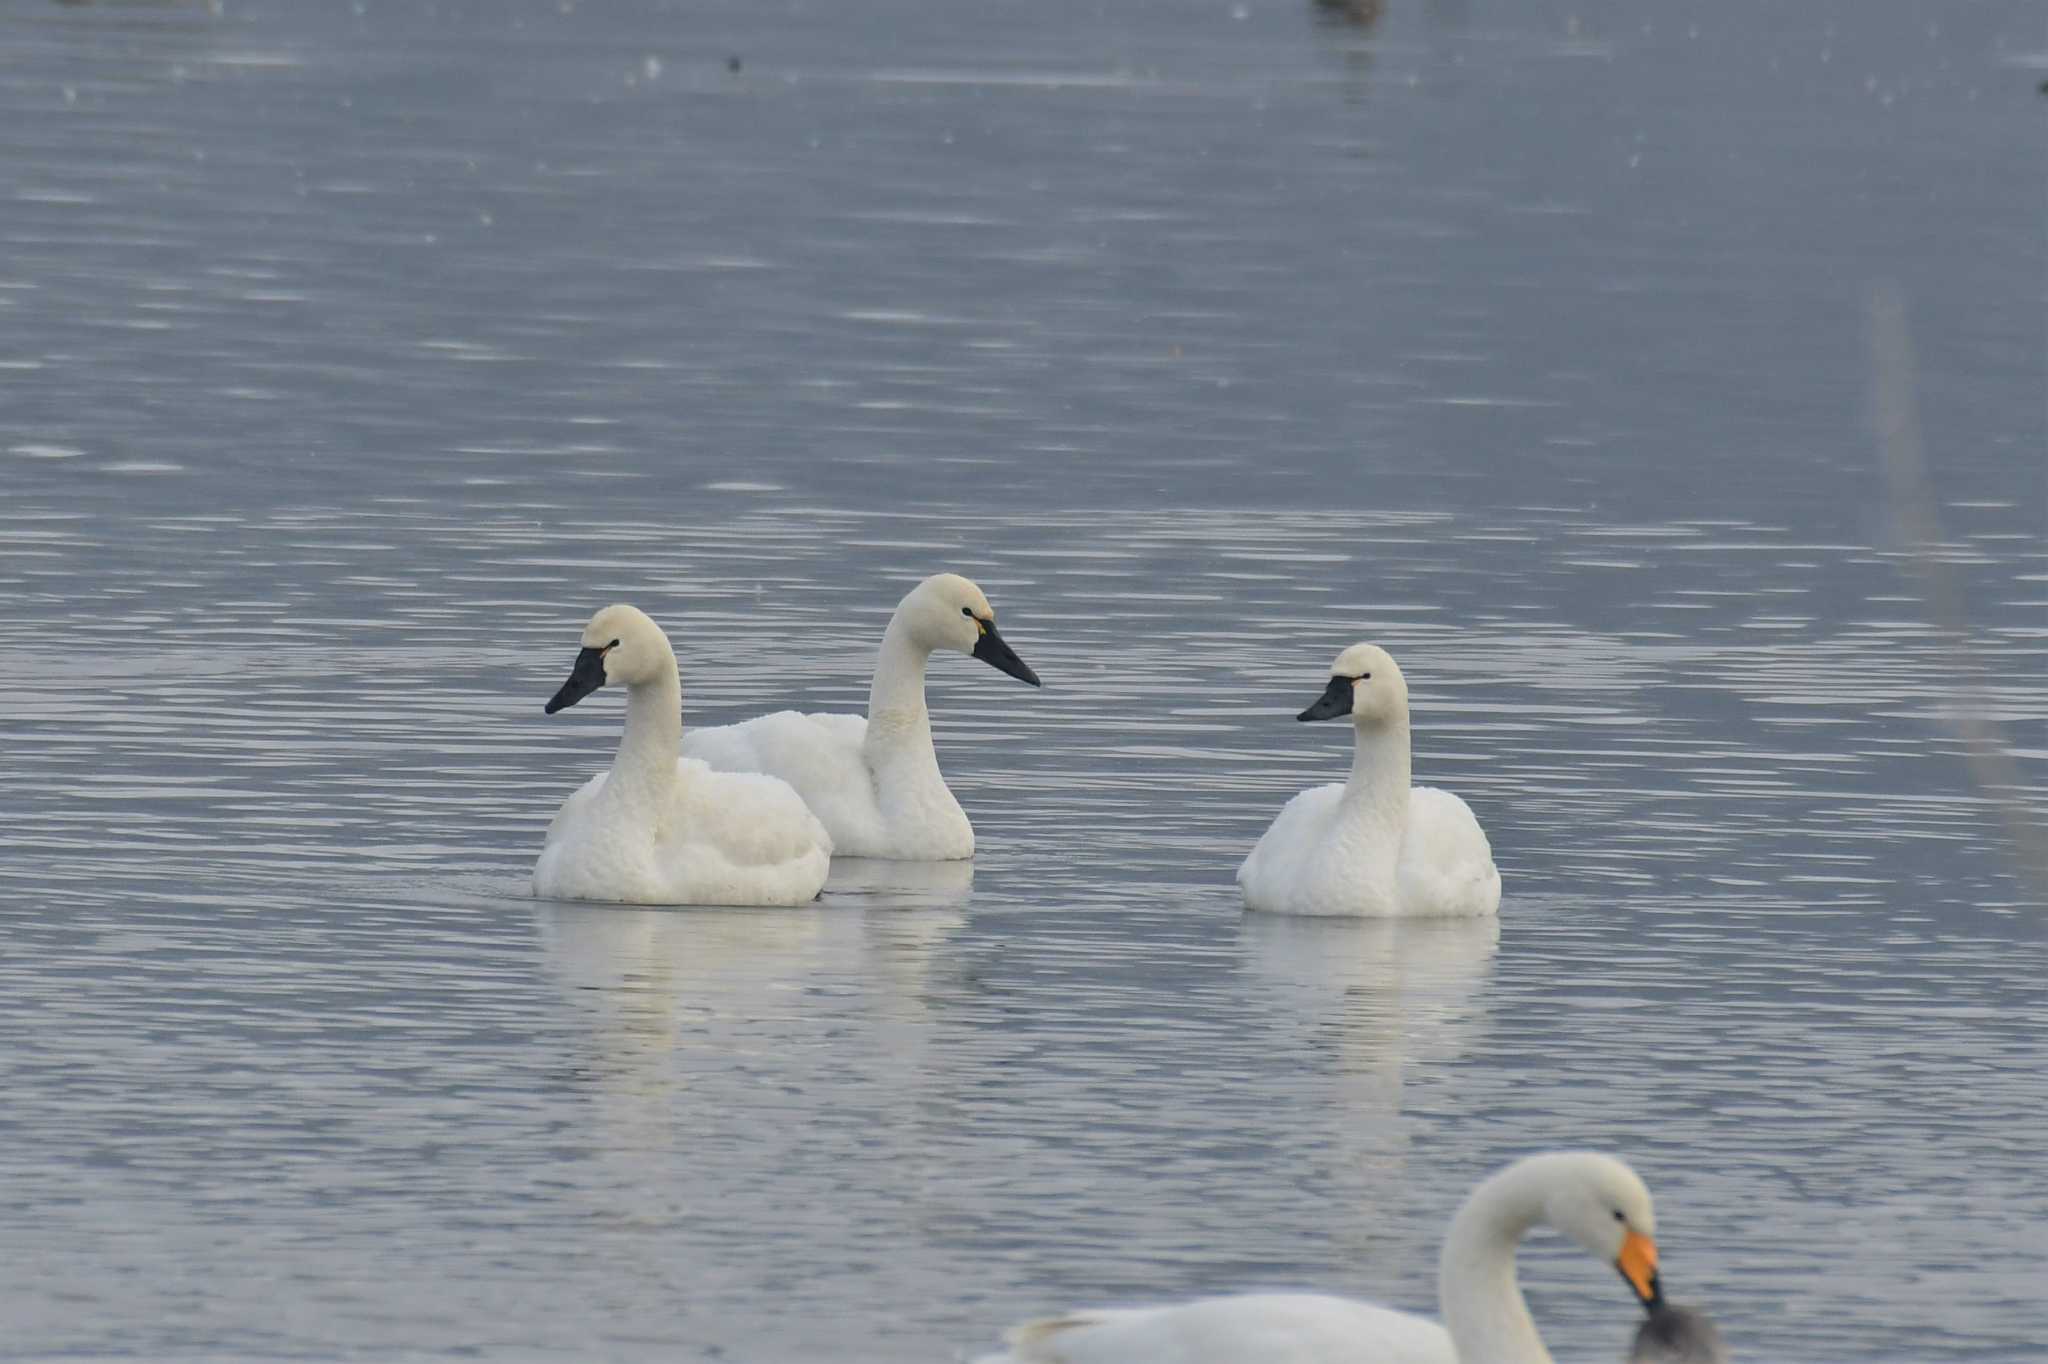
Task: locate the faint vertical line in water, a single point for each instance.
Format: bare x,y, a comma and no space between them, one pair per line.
1916,522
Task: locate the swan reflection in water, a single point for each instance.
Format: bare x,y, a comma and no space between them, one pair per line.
704,1044
1372,999
1383,991
661,981
901,885
657,982
652,983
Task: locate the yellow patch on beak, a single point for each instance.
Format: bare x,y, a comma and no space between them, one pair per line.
983,626
1638,1264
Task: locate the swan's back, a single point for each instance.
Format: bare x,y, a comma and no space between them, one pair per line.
749,819
1446,865
722,838
819,755
897,806
804,750
1299,1328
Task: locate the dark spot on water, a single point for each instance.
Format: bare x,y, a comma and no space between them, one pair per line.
732,64
1363,13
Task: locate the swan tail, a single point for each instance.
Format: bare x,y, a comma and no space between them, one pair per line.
1035,1342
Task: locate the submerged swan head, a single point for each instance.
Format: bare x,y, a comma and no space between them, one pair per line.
621,644
1365,684
1677,1335
946,611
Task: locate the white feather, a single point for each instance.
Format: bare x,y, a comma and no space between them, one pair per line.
1374,845
1594,1199
658,829
874,780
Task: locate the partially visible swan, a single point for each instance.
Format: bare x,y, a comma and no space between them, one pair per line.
1594,1199
1677,1335
660,830
1373,846
874,780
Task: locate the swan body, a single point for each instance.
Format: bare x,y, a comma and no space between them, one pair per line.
1373,846
1594,1199
873,780
1280,1328
659,829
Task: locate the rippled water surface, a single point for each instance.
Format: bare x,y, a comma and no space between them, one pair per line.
350,355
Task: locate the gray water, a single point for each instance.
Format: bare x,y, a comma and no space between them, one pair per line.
350,356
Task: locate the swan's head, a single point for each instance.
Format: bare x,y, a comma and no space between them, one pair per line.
1601,1204
1677,1335
946,611
621,644
1366,685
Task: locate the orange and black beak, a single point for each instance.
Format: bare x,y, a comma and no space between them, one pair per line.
1638,1264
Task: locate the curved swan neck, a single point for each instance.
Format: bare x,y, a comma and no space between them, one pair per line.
1380,769
654,732
896,709
1477,1289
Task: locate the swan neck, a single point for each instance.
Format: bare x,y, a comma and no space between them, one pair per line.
654,732
1477,1287
896,707
1380,769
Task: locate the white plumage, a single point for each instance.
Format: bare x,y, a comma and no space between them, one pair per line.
659,829
880,800
874,780
1373,846
1271,1328
1594,1199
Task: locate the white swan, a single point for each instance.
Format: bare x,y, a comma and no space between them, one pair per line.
660,830
874,780
1594,1199
1372,846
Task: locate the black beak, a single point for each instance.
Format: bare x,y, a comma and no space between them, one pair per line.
992,650
1653,1304
1335,701
586,677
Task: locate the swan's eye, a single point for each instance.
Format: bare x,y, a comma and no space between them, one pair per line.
1618,1217
967,611
1365,677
